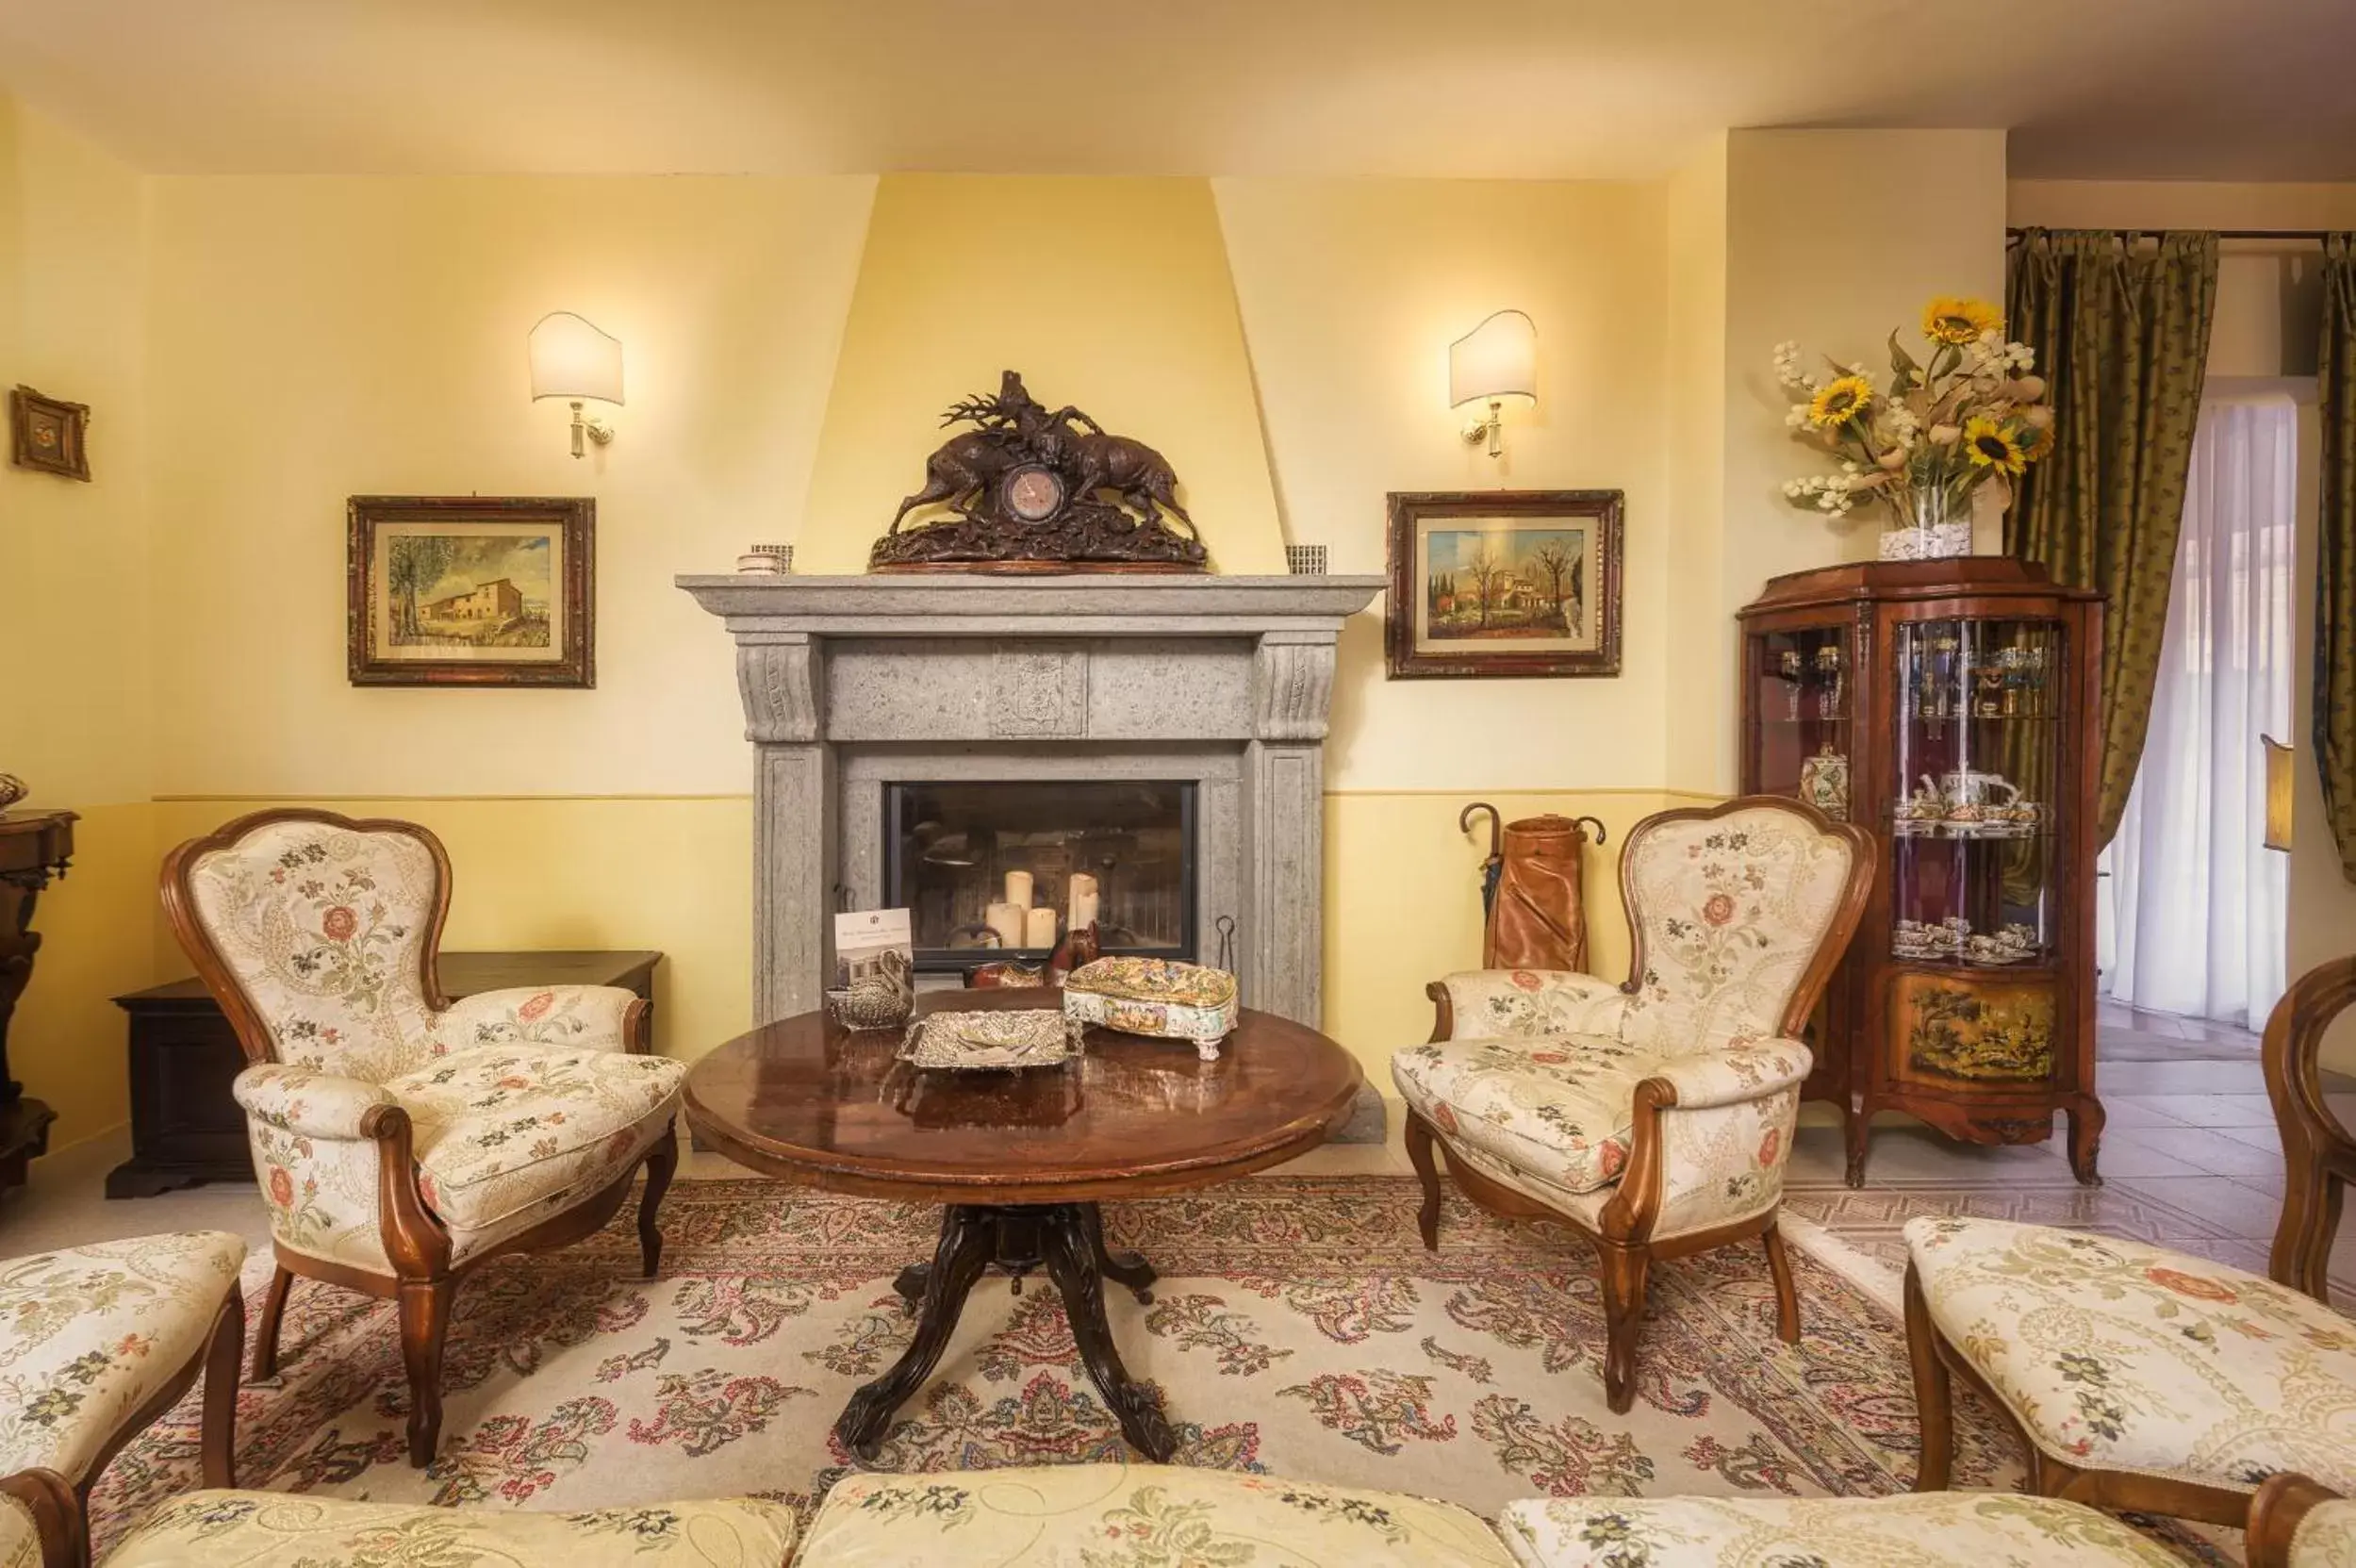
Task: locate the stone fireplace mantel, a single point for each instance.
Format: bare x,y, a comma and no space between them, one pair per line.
850,684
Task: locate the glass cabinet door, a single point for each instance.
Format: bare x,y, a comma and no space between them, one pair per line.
1801,743
1978,771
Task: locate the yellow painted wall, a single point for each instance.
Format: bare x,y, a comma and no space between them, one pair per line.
1832,239
1109,293
1697,752
1351,292
318,339
75,704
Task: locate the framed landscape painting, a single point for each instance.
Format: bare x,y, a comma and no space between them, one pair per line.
472,590
1504,583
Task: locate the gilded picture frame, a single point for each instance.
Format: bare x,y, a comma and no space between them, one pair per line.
472,591
1504,583
48,435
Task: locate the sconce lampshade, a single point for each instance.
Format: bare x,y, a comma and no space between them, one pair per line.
2279,778
1497,361
571,358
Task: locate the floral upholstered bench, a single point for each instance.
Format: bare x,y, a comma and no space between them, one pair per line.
97,1342
1940,1530
2141,1379
272,1530
1143,1515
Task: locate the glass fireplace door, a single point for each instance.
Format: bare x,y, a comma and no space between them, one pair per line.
982,868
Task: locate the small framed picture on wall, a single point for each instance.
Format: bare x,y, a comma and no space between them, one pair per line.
1504,583
472,591
48,434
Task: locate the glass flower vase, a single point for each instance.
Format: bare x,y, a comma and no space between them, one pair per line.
1931,527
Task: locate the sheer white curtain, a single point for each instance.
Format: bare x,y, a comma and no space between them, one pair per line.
2191,915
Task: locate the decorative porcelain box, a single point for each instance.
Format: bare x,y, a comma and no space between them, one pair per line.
1156,996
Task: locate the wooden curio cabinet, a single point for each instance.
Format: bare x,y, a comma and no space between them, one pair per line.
1949,707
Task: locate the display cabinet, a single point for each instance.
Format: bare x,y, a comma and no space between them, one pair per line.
1948,706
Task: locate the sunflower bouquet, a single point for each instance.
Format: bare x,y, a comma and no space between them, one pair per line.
1973,415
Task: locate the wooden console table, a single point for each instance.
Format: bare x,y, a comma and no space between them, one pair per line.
34,846
185,1127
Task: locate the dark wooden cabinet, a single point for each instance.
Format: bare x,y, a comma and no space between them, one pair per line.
185,1127
35,846
1949,707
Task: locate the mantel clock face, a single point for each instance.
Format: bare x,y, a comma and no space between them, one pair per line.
1031,492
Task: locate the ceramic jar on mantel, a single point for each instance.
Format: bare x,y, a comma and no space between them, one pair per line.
1934,527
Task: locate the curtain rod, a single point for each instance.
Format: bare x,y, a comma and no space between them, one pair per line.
2310,236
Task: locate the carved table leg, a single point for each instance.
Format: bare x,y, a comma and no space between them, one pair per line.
968,1237
1122,1268
2085,1140
1072,1237
1067,1239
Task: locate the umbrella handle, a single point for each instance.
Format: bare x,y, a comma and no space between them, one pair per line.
1590,821
1497,826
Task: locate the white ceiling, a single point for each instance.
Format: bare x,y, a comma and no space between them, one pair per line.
2253,90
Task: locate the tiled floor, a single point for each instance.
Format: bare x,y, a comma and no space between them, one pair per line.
2190,1160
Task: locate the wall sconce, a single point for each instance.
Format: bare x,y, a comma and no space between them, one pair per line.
572,359
2278,784
1494,363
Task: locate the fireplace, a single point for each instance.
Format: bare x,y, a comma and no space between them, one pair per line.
1121,849
879,704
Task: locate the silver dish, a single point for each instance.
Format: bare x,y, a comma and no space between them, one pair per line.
997,1041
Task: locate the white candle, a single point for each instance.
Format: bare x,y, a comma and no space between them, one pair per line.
1083,910
1018,889
1007,921
1040,930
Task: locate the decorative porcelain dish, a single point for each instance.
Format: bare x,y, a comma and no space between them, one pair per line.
1155,997
1000,1040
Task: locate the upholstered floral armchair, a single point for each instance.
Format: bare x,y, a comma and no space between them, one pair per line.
96,1343
1655,1116
403,1140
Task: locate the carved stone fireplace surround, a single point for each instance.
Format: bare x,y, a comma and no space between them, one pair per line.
850,684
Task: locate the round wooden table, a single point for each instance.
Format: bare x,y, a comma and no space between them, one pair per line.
1019,1159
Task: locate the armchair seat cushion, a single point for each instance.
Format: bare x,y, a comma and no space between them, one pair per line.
1066,1516
1559,1106
89,1335
503,1127
2119,1356
274,1529
1933,1529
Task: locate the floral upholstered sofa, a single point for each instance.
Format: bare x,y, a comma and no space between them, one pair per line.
1148,1516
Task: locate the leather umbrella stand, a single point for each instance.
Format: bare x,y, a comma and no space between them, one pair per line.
1538,920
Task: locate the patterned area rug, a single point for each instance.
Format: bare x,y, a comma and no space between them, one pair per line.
1299,1327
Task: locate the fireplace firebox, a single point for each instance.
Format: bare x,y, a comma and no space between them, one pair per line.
1123,849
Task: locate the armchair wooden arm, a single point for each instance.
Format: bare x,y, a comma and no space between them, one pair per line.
2281,1506
2319,1157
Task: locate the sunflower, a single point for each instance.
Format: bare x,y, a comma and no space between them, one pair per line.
2036,441
1838,402
1953,319
1993,446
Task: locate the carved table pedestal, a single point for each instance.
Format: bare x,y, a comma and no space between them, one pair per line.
35,846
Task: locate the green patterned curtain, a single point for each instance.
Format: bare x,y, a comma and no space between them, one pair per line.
2122,333
2335,550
